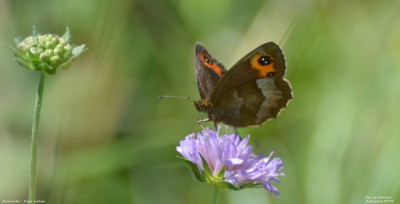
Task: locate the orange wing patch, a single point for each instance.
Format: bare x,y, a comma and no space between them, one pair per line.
263,64
212,65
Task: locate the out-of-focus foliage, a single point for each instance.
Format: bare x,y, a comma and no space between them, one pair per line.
105,137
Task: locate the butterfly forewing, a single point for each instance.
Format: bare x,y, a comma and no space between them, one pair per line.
208,71
248,69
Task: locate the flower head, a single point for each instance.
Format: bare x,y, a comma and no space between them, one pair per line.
46,52
228,161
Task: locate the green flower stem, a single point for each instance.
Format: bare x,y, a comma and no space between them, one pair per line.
215,195
35,127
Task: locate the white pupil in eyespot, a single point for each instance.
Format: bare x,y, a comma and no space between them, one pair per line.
264,60
208,60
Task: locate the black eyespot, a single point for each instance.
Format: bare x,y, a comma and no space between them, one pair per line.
271,74
208,60
264,60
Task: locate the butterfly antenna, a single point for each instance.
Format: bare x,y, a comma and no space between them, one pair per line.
181,97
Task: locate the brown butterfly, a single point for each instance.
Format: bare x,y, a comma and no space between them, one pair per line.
249,93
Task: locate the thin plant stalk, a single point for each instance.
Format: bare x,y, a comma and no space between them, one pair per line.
35,128
215,195
46,54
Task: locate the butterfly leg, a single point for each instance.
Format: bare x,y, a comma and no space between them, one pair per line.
207,120
203,120
236,132
202,127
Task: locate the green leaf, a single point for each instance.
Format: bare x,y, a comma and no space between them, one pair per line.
196,171
251,185
67,54
233,186
17,52
221,173
17,38
206,169
67,35
35,61
48,68
225,184
76,51
65,65
23,63
35,32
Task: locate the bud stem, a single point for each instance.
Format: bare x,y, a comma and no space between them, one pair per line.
215,195
35,127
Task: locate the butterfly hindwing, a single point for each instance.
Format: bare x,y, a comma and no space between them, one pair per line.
253,102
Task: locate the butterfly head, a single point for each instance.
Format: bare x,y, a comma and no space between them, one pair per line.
203,105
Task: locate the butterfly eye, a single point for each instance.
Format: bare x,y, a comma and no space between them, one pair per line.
271,74
264,60
207,60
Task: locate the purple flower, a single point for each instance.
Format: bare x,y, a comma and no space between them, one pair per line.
229,161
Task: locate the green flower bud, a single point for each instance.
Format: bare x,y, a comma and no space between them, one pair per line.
67,47
43,56
33,50
67,51
55,59
55,41
59,46
49,52
29,40
58,51
46,52
49,44
23,47
61,41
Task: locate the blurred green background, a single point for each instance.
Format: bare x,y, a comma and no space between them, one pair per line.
105,137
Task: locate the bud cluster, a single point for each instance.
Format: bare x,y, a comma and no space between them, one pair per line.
46,52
